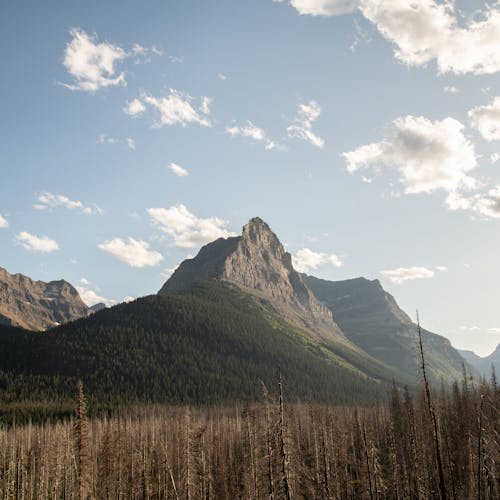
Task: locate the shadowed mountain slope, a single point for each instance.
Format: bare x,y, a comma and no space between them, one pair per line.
370,317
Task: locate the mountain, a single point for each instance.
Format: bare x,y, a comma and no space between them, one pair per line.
370,317
212,344
257,263
224,322
36,305
98,307
483,364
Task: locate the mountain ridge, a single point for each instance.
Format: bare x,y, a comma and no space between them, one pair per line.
38,305
371,318
483,364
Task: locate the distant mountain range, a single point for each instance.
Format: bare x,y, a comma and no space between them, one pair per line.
484,365
224,322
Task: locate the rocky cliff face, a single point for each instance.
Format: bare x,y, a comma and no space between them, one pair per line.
257,263
36,305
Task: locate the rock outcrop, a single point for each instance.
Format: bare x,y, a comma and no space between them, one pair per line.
36,305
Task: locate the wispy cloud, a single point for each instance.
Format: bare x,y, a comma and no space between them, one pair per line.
450,89
136,253
3,222
37,243
403,274
177,108
106,139
176,59
186,229
47,201
305,260
301,128
143,55
177,170
251,131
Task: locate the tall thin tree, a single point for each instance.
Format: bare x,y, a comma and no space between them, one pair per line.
432,415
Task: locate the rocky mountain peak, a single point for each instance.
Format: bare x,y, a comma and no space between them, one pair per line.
257,262
36,305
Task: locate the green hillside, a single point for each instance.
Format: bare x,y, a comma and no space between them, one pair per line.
213,344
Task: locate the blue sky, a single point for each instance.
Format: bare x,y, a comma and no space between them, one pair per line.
366,133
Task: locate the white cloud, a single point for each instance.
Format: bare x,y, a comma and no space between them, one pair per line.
450,89
84,281
92,64
403,274
427,30
494,157
178,170
427,155
302,124
176,59
322,7
3,222
91,297
106,139
134,107
187,230
206,102
485,204
136,253
486,119
305,260
472,328
251,131
441,269
221,76
37,244
142,55
248,130
488,204
177,108
47,200
128,299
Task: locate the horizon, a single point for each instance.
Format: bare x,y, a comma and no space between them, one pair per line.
134,136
